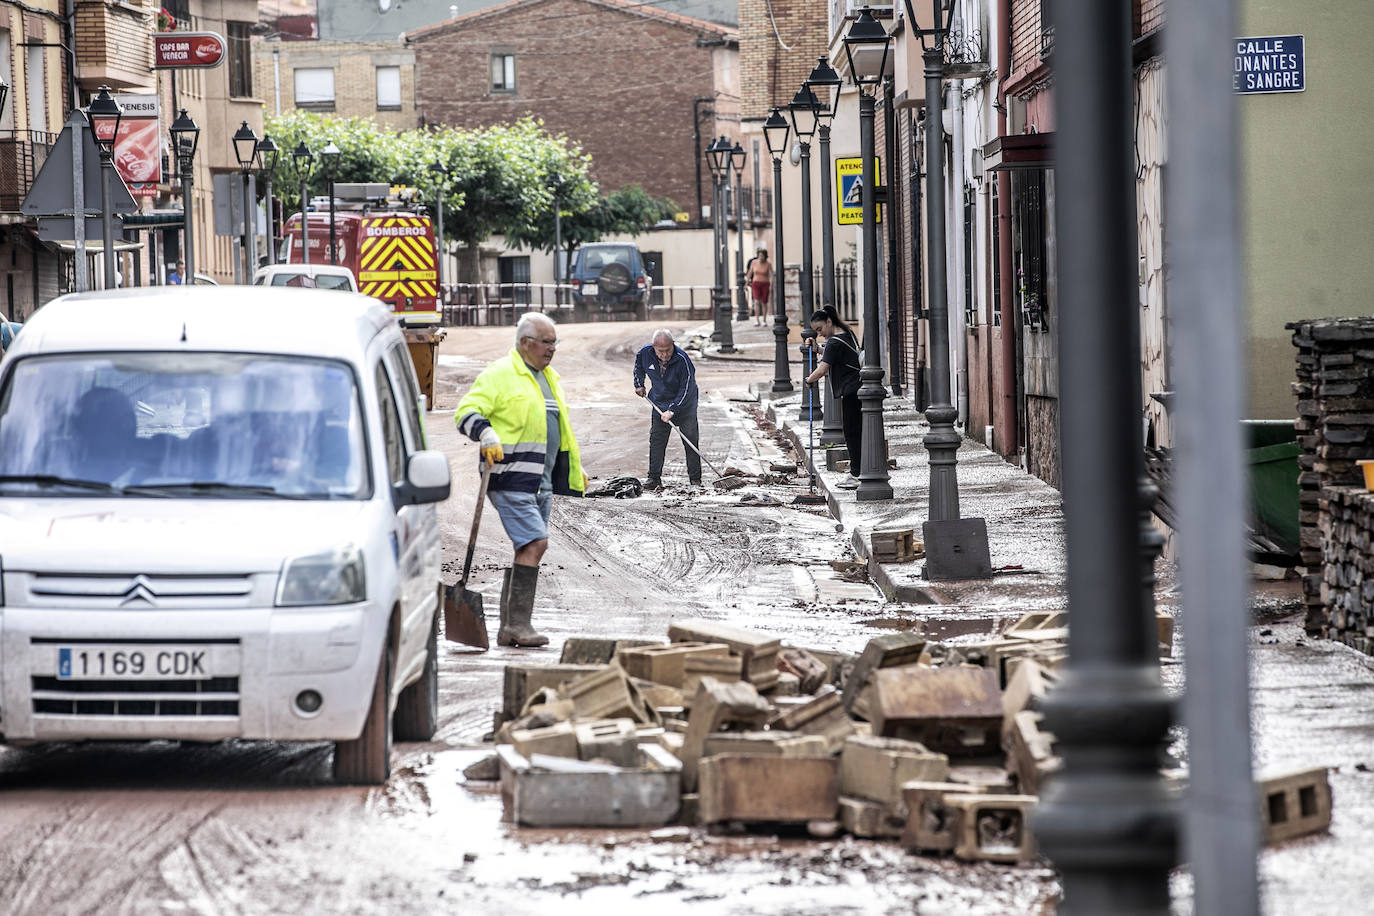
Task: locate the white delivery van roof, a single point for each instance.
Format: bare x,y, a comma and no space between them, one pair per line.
259,319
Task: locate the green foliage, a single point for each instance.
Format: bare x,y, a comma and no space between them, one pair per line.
500,179
628,211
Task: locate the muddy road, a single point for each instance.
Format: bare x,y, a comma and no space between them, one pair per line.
258,828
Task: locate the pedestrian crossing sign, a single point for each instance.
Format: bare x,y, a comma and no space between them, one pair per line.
849,190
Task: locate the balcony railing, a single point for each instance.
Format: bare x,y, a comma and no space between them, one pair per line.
22,154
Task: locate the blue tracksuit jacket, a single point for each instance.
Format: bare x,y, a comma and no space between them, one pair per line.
672,389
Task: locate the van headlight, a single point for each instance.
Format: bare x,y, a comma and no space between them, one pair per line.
333,577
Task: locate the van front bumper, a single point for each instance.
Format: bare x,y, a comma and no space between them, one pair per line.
244,671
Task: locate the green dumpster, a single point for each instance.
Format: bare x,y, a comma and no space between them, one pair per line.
1273,458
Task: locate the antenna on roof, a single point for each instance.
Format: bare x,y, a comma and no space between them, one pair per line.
183,332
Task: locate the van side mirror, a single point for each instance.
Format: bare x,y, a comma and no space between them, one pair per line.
427,479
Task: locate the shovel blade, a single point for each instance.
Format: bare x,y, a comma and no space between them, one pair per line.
464,620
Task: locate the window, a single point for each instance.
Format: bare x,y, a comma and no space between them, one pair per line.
1028,247
996,207
315,88
515,278
391,429
403,372
970,216
240,60
388,88
502,72
6,62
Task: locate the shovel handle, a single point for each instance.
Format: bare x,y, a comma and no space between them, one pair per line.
476,521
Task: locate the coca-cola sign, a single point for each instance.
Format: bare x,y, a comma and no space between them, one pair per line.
187,49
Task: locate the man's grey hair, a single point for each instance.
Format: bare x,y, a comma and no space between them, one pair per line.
529,323
663,332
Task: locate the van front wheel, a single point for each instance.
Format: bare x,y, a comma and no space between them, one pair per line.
417,710
366,760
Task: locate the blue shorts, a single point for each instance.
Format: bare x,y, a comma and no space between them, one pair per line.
525,516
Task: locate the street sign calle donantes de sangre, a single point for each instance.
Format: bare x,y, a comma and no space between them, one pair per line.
178,50
1272,63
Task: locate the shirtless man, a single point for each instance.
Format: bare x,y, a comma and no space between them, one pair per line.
760,277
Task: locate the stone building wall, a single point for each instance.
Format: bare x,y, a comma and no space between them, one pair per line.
1347,588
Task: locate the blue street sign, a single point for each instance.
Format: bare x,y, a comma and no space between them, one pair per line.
1269,64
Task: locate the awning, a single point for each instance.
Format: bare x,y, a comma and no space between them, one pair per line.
96,246
1019,151
153,220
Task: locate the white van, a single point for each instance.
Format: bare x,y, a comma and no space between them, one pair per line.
310,276
214,525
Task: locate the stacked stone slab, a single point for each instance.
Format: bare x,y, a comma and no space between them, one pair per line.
1335,425
1347,522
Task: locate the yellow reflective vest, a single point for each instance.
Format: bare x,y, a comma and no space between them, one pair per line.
506,396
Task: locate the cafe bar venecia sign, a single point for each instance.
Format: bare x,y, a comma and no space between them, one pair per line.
1270,64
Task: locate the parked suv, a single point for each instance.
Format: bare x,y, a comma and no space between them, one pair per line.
610,277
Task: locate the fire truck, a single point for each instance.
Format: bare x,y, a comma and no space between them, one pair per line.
383,239
381,236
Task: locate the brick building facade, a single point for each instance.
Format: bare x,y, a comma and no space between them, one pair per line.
779,41
622,79
349,79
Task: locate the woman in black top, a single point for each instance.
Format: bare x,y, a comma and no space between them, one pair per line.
841,357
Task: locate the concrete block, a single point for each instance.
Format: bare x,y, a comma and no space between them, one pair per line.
715,707
695,668
1027,683
523,681
876,768
890,651
1030,752
555,741
758,788
659,696
788,685
929,825
992,828
607,693
584,650
1037,620
954,710
672,743
663,664
1294,804
809,670
994,780
823,715
770,744
612,740
709,631
688,811
545,791
833,456
863,818
894,546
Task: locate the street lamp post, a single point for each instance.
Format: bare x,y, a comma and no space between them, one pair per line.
105,114
866,46
439,172
331,155
246,152
185,137
737,160
824,76
301,157
268,153
718,157
775,131
805,110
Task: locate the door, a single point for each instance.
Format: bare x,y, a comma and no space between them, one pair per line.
655,274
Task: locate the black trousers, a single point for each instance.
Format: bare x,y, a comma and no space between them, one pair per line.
852,418
660,433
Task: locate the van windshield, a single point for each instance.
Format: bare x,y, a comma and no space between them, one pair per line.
216,425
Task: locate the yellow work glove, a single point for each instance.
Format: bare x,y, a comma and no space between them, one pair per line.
490,444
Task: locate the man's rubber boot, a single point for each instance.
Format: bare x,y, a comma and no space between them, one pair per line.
516,629
505,603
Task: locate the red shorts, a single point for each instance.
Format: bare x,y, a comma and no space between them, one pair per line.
761,289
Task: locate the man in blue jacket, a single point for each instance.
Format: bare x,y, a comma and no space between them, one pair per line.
673,393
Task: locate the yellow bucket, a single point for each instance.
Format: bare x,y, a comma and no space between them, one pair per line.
1367,465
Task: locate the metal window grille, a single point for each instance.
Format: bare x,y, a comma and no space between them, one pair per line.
995,215
1028,192
970,218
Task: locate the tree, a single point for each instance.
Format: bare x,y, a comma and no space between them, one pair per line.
367,152
627,211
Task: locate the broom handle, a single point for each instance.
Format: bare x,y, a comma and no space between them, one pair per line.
685,440
476,520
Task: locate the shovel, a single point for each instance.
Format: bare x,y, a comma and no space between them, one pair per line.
464,620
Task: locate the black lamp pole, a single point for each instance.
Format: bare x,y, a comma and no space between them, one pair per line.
301,156
804,110
246,151
737,160
105,114
268,153
331,154
185,136
438,171
775,131
718,155
824,76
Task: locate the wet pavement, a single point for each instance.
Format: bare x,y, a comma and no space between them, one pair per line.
236,827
